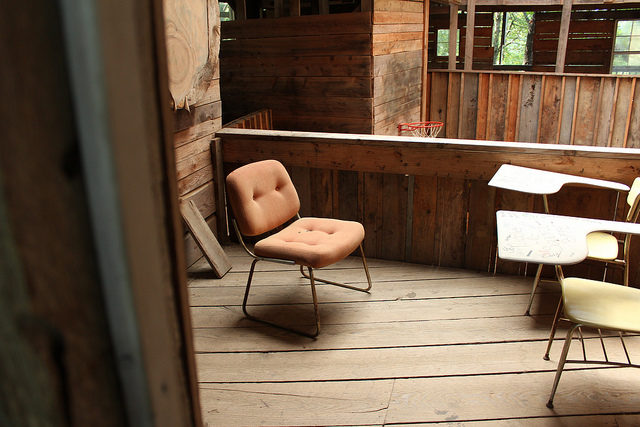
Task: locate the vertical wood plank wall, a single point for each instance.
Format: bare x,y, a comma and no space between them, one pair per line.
194,131
573,109
314,72
397,63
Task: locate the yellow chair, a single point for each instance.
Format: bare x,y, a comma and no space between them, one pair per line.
600,244
600,305
263,199
605,246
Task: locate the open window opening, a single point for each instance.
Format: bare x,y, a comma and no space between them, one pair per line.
442,43
512,39
626,48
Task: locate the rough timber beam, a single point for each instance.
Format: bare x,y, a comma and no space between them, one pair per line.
537,2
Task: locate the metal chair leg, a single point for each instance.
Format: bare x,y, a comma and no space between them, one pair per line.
266,322
561,362
342,285
554,326
536,281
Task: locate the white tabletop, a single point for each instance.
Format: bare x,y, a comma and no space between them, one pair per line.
536,181
550,239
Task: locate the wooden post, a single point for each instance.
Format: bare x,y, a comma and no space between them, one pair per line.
294,8
323,5
453,35
563,36
425,60
470,34
366,5
241,10
278,6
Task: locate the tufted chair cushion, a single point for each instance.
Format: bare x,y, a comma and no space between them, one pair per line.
313,242
262,196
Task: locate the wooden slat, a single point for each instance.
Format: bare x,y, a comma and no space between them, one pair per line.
497,113
453,35
550,107
563,35
394,214
633,140
330,44
530,107
424,219
452,217
342,23
205,239
577,398
483,106
469,106
325,404
470,34
585,113
622,110
453,105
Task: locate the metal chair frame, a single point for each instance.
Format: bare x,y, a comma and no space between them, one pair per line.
310,276
565,351
632,216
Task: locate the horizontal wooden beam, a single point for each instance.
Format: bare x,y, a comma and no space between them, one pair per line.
468,159
544,2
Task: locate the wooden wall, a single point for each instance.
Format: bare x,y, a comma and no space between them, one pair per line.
194,131
546,108
482,50
313,72
590,41
397,63
429,203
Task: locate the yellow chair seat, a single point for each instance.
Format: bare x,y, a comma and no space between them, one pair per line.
601,304
602,246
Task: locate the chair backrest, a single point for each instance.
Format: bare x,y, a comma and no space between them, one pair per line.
262,196
634,201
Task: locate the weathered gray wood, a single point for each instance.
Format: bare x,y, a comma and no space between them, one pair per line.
563,36
207,242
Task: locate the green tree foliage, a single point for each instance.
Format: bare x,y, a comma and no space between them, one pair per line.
512,37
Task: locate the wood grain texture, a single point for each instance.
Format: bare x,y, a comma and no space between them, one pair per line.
205,239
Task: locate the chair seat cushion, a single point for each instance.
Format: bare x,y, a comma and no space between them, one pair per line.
601,304
602,246
313,242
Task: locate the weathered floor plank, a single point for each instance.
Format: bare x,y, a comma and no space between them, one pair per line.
427,345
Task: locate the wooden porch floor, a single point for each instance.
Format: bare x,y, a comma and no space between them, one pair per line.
428,345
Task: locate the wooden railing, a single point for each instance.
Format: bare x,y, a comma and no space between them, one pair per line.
261,119
572,109
427,202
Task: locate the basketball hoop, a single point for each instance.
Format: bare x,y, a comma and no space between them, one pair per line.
421,129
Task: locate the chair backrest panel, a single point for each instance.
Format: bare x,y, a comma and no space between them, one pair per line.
262,196
633,200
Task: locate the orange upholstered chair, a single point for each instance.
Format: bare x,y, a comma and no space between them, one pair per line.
263,198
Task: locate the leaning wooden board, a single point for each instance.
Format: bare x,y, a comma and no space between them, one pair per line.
205,239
